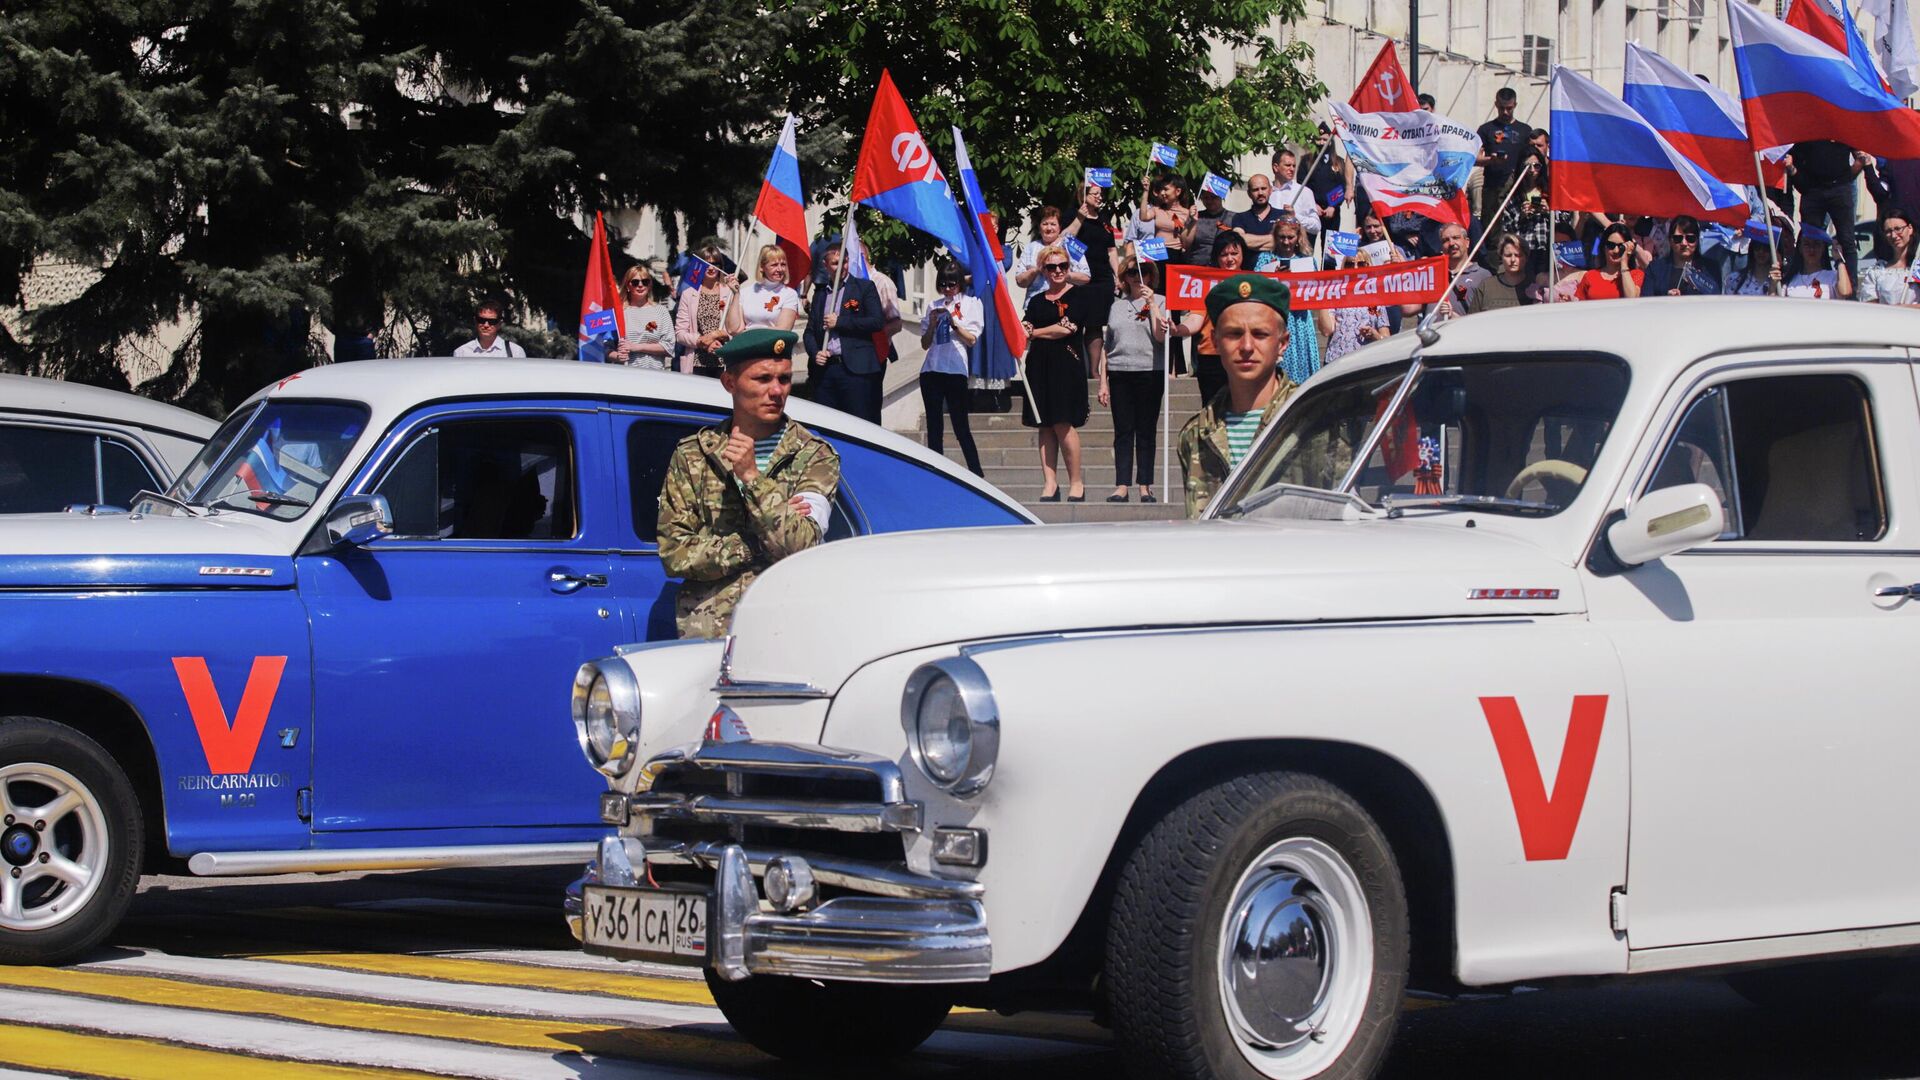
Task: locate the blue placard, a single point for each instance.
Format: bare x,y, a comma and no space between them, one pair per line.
1165,155
1266,262
1337,195
1570,253
1344,244
1100,177
1216,185
1154,250
1074,247
599,324
695,274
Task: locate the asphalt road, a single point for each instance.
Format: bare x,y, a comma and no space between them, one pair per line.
472,973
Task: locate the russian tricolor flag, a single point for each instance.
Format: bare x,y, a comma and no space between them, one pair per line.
1700,120
1795,87
1003,338
781,207
1608,159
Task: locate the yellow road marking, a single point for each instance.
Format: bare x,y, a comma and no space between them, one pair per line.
145,1059
497,973
548,1036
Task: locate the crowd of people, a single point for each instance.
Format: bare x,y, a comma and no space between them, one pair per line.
1099,327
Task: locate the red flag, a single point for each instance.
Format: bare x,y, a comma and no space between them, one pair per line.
601,292
1384,88
896,173
1812,18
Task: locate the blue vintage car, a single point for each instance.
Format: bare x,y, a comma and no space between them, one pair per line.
251,674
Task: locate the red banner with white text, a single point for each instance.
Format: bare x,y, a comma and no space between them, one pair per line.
1421,281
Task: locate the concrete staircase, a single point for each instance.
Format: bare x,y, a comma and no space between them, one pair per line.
1010,457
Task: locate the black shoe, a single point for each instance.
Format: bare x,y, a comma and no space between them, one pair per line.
1116,498
1149,498
1055,497
1082,497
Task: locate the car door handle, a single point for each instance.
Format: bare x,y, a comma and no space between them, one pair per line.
1908,591
565,581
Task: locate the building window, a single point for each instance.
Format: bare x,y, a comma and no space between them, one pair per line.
1536,55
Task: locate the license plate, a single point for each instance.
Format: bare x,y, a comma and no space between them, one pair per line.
657,924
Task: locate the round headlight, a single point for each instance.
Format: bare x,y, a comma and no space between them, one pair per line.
600,733
945,735
952,724
606,715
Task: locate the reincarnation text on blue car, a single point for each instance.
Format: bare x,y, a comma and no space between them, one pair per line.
338,641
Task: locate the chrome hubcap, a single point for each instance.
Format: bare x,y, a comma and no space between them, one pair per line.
1295,958
1281,948
53,851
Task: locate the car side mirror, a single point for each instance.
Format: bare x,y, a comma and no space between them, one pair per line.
1667,521
358,520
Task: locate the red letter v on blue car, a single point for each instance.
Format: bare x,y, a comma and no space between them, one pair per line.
1547,824
229,748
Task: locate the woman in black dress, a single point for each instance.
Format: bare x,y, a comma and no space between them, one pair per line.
1056,324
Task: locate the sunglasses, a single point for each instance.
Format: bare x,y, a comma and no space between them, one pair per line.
1615,246
1051,267
631,282
484,321
1684,238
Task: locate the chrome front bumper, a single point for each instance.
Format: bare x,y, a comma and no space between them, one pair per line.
926,931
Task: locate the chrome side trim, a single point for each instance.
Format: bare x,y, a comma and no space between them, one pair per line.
882,880
242,863
855,817
1787,947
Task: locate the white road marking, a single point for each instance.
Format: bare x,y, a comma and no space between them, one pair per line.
277,1038
404,990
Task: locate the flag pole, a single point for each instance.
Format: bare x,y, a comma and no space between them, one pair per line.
1319,235
1766,222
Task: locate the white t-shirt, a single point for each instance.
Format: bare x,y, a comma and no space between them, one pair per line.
761,302
501,348
947,356
1819,285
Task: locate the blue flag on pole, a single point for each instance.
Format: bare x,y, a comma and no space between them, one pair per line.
1570,253
1343,244
1154,250
599,324
695,274
1074,247
1216,185
1100,177
1165,155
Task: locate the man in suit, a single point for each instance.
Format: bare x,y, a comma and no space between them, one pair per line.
846,367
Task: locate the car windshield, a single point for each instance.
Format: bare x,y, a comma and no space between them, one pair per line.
1495,434
273,458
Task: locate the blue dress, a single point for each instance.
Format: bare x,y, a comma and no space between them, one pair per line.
1302,357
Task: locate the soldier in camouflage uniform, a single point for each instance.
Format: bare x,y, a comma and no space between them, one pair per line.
742,495
1249,316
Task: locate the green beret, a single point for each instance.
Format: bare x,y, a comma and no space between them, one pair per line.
749,345
1246,289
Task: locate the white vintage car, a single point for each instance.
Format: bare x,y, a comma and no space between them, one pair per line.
1591,668
67,445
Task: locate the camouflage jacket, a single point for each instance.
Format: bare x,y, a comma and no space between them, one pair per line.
1204,456
718,537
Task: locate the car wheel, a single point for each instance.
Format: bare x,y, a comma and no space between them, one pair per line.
1823,985
1258,930
803,1019
70,839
